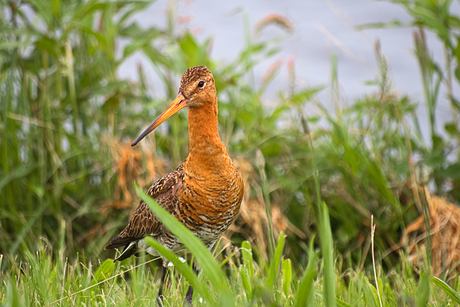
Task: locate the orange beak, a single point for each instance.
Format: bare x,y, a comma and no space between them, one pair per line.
178,104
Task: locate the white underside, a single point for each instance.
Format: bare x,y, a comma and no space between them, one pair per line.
142,245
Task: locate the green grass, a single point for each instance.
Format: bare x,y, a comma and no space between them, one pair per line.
44,281
67,171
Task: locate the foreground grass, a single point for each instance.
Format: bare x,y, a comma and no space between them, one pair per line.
238,280
44,281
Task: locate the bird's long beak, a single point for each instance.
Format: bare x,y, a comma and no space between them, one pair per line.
178,104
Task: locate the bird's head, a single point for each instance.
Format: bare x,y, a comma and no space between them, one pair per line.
196,90
197,86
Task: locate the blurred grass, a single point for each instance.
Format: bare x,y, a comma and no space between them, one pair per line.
66,168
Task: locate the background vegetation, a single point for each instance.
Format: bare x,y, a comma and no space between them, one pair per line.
67,170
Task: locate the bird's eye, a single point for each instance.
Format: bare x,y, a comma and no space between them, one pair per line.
201,84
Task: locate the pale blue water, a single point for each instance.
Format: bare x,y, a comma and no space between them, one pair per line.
321,28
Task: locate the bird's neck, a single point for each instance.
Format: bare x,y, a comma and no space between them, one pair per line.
208,156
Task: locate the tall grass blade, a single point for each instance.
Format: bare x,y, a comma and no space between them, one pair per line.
248,260
324,228
423,290
260,162
341,303
12,295
328,258
287,277
272,276
246,281
247,269
370,294
447,289
304,293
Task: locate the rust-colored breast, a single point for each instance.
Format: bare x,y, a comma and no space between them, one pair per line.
209,207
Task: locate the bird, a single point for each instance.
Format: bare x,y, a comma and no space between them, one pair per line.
204,193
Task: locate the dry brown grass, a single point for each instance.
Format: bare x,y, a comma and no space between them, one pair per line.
252,221
445,234
129,168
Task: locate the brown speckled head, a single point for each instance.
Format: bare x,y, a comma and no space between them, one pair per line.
197,85
197,91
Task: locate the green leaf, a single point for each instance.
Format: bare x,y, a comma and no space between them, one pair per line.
275,263
88,8
247,257
447,289
452,171
136,6
457,73
304,293
341,303
246,281
287,277
19,172
56,7
156,57
12,295
370,294
139,43
48,44
14,44
306,94
423,290
104,271
247,269
328,257
451,128
101,37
